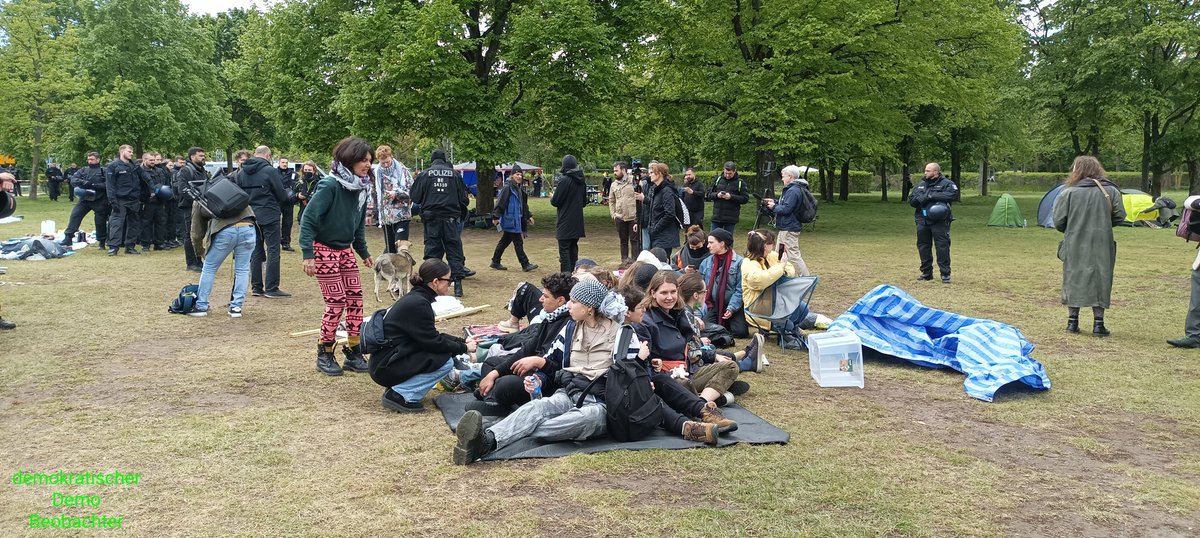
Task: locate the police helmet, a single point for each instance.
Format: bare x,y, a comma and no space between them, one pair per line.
938,212
163,193
86,195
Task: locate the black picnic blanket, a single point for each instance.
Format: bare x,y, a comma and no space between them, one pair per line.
751,429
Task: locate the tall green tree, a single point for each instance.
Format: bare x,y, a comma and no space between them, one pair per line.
156,61
41,83
251,127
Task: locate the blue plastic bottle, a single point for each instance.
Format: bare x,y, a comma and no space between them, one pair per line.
536,382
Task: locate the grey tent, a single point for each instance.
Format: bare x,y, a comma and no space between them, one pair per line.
1045,216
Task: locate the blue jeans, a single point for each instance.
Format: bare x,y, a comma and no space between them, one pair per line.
238,240
416,387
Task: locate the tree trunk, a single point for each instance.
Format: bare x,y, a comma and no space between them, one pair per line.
905,150
35,160
955,157
1147,144
826,182
844,187
883,180
905,182
1193,170
485,201
983,172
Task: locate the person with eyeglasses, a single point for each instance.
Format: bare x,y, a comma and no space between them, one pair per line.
420,355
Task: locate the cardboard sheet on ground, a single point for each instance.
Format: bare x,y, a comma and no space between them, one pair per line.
751,429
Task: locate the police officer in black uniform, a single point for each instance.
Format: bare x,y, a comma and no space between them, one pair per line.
154,212
288,208
95,199
441,197
54,179
191,175
932,198
125,181
70,173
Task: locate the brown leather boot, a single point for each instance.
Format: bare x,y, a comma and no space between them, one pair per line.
700,431
712,415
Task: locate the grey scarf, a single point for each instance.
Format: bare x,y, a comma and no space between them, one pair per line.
352,183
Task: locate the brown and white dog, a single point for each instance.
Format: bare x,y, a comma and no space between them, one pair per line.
395,268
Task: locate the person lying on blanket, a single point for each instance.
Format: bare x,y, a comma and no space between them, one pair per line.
583,351
508,360
666,327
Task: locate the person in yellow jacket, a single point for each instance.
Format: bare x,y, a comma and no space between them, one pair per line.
761,268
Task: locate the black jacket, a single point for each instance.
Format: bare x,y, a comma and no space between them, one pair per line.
261,181
158,176
420,348
570,195
70,172
664,228
667,331
92,178
54,175
287,177
439,192
694,202
191,175
124,180
927,193
502,204
728,211
534,340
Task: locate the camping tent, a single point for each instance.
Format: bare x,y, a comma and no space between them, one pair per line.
1135,201
470,177
1045,215
1006,213
526,167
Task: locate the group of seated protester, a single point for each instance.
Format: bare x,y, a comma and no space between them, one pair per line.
533,379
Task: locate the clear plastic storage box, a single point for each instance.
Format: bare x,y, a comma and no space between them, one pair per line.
835,359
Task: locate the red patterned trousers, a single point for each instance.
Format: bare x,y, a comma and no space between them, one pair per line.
337,273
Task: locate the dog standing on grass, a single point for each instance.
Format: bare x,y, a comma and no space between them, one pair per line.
395,268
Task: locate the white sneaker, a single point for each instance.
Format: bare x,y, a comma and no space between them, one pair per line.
235,311
506,326
198,313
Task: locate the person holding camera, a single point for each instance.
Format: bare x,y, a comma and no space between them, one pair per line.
728,194
932,198
787,216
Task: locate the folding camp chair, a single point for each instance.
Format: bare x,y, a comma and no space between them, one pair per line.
780,300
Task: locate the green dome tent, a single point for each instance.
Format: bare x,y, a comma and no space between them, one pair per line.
1006,213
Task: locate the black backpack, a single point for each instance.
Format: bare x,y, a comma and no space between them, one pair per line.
373,339
633,411
223,199
807,212
186,300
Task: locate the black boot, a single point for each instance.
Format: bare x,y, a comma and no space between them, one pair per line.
1072,325
1098,328
458,287
326,362
354,359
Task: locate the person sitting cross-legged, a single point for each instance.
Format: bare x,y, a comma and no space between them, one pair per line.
582,352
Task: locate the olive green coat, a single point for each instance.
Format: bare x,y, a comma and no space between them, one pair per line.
1088,252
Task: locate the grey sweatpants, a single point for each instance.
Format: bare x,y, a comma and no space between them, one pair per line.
552,419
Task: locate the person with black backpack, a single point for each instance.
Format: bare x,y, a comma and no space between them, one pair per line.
795,207
223,236
576,411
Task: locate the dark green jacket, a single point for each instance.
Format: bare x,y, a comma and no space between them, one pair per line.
334,219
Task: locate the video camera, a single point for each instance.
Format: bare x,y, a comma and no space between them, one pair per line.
763,209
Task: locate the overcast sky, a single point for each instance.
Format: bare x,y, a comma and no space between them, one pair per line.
217,6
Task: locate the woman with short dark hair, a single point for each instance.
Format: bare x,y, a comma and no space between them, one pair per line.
333,222
421,356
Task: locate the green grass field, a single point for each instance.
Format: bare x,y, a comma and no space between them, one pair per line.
236,434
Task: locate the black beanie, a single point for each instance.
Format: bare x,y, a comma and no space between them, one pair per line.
516,169
439,154
569,162
723,235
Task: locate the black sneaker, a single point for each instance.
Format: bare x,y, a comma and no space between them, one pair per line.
276,294
467,273
394,401
354,360
945,279
529,267
755,352
286,247
497,266
925,277
256,293
113,251
470,439
195,268
132,250
487,409
739,387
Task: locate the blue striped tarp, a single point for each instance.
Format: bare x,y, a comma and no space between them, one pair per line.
990,353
